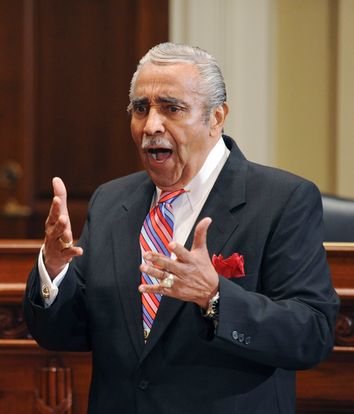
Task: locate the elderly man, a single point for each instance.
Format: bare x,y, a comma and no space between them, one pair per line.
200,285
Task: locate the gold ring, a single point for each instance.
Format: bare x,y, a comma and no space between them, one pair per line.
168,281
65,245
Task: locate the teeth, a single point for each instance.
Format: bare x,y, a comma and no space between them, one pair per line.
159,154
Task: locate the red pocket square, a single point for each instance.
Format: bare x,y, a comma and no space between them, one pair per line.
232,266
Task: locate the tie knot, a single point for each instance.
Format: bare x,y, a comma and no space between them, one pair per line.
170,197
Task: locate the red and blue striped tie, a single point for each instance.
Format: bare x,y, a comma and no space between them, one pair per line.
156,234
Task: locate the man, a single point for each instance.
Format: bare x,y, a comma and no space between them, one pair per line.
245,298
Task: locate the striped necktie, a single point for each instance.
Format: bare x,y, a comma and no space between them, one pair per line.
156,234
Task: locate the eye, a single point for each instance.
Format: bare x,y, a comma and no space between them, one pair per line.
140,109
172,110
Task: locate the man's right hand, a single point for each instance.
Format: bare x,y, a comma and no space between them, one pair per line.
58,250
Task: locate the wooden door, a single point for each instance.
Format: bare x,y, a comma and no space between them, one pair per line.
65,69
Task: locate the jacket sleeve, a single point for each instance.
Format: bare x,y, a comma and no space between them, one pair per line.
289,321
64,325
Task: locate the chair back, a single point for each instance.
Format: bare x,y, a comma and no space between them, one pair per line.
338,216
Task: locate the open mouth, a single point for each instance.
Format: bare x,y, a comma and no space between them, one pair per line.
160,154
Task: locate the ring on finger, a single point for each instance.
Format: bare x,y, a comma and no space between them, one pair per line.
65,245
168,281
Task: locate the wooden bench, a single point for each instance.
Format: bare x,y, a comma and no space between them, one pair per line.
33,380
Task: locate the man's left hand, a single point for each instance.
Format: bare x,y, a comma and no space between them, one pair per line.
194,277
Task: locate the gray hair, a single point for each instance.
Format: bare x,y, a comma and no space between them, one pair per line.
212,80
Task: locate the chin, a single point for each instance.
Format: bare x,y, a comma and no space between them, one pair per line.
166,184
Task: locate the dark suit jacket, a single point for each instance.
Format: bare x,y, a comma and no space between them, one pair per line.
277,319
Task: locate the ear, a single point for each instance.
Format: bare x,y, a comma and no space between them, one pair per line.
217,119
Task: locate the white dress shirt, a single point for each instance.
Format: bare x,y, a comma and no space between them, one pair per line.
186,209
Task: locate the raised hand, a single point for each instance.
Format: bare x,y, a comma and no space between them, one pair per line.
192,275
58,243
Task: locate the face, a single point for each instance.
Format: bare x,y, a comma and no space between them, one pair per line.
168,124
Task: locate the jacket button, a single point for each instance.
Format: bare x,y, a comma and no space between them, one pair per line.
241,337
248,340
143,384
235,335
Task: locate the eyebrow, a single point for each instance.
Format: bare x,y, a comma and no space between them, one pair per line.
159,99
171,100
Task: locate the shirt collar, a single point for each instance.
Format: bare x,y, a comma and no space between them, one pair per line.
201,184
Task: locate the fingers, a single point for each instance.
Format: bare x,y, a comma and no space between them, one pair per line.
54,211
58,221
193,278
58,248
153,271
182,254
60,228
59,191
59,203
56,260
65,240
160,262
162,276
199,241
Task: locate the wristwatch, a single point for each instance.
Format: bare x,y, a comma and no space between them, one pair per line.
212,311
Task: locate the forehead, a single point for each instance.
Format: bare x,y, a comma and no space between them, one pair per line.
180,80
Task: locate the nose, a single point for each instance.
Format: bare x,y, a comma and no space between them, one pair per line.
154,122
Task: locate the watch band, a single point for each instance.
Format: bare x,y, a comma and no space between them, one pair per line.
212,311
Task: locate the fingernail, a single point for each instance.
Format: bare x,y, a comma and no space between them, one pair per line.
141,289
148,256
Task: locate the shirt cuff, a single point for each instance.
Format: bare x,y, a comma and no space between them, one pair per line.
49,287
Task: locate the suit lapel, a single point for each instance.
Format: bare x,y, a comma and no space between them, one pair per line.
127,258
225,201
223,205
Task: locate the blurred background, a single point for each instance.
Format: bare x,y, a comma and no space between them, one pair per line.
66,65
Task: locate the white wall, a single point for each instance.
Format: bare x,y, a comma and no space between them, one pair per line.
345,97
240,35
289,72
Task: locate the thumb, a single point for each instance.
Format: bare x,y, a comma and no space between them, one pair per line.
200,233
